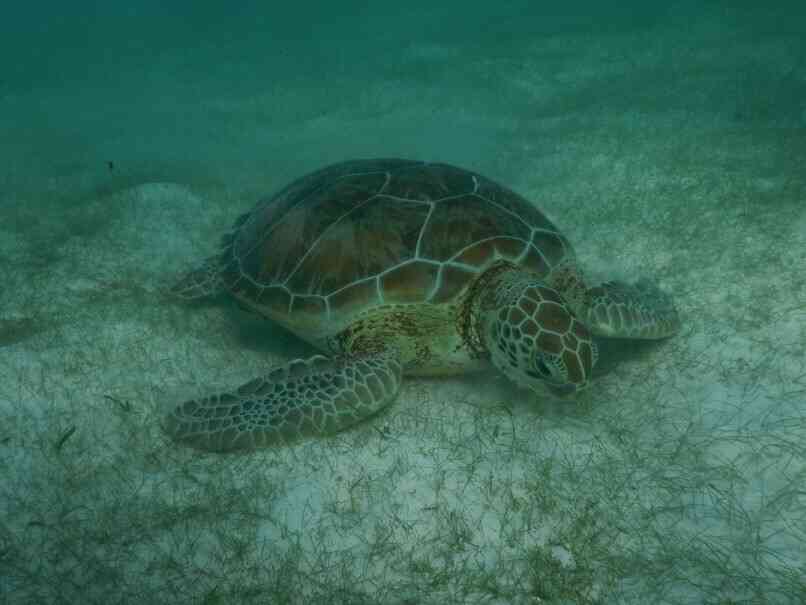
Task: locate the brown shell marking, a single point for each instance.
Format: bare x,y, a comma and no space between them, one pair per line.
369,232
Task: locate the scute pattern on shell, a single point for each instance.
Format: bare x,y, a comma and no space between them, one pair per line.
368,232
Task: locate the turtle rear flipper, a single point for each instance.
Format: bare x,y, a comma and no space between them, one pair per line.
198,283
620,310
314,396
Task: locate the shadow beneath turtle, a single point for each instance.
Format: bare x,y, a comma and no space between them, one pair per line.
251,330
257,333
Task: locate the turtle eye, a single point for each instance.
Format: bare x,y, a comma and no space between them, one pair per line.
541,369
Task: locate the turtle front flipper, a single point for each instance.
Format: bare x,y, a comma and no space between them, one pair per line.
314,396
619,310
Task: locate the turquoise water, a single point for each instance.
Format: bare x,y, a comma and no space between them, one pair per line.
665,140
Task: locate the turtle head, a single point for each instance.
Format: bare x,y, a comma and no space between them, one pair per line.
536,340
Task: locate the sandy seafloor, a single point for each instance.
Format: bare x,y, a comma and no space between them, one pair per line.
666,140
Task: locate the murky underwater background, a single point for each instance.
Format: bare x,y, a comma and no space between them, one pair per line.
665,139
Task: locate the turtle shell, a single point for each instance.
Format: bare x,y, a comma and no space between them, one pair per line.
366,233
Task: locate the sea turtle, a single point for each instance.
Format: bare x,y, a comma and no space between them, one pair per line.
394,267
